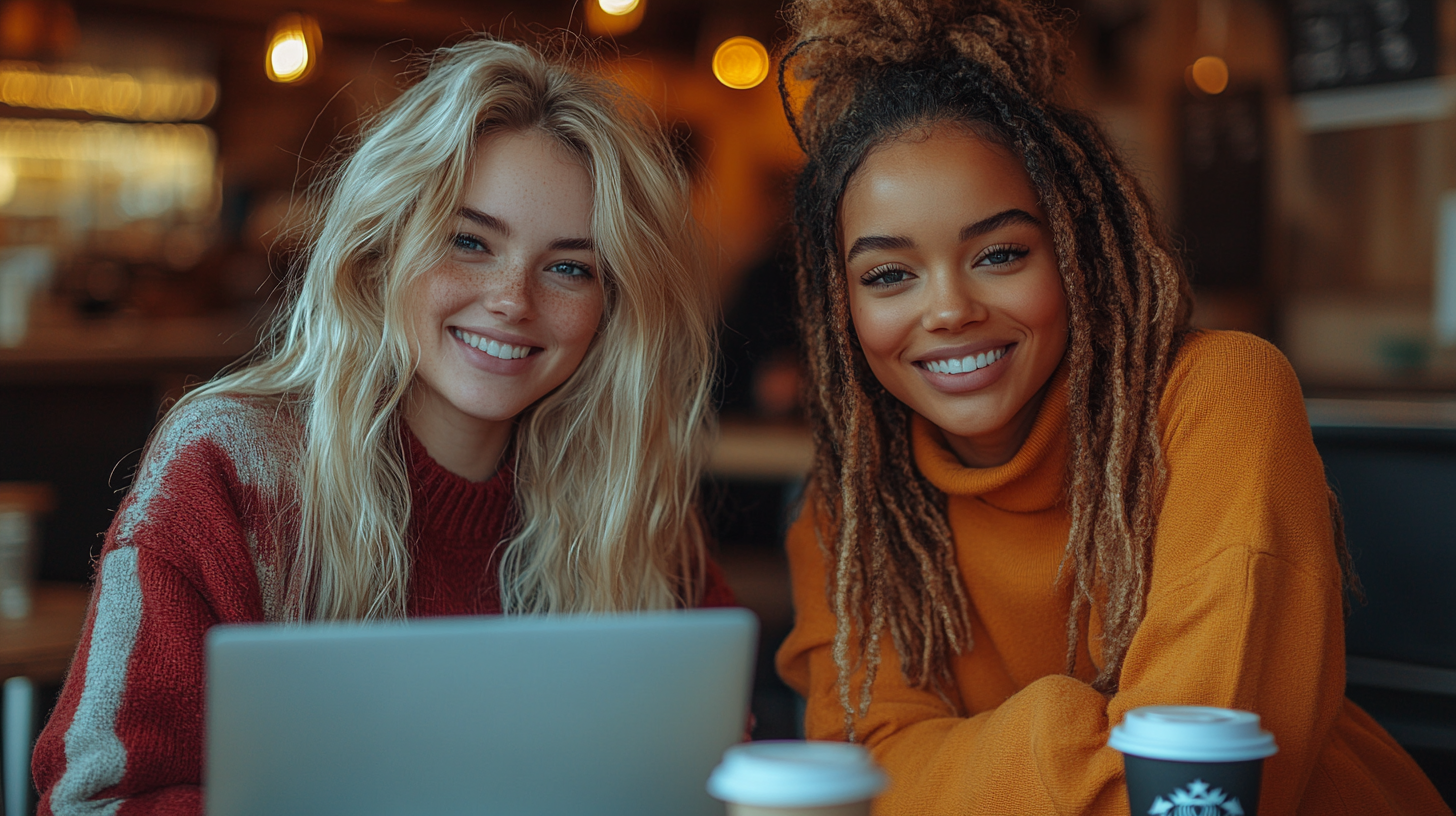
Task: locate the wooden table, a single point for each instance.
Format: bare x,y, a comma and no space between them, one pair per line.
36,649
40,647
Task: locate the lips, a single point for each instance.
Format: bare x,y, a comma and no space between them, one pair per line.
963,360
495,348
965,369
966,363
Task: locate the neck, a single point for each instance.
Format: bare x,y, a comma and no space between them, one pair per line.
467,447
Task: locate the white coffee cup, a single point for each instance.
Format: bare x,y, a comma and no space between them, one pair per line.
797,778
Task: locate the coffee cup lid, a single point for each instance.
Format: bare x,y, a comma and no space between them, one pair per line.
796,773
1192,734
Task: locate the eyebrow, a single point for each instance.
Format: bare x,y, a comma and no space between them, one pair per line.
1000,219
582,244
871,243
486,220
494,224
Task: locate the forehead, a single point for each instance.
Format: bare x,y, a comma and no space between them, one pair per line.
944,171
521,167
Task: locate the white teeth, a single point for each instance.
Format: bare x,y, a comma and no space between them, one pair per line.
504,351
965,364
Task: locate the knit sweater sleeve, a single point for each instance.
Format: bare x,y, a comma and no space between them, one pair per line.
1244,612
126,736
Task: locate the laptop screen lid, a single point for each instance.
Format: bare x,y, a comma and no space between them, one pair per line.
516,716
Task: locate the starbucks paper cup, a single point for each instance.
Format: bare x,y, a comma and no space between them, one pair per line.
1192,760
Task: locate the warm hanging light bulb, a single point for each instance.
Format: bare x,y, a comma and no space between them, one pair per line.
293,48
617,8
288,58
614,18
741,62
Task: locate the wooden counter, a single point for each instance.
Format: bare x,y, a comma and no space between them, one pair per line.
61,346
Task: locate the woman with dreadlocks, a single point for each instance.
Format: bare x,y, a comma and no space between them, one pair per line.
1039,499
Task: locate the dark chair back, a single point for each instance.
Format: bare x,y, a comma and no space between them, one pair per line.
1393,465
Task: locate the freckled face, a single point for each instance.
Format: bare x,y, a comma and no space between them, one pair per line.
510,312
953,286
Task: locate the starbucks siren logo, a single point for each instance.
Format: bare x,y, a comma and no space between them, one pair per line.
1197,800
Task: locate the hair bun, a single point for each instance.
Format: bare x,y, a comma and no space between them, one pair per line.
835,41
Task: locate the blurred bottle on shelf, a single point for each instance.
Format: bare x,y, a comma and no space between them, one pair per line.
21,504
24,271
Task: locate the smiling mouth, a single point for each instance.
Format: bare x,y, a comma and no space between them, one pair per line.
966,364
504,351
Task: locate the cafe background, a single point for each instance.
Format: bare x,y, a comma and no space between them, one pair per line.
155,157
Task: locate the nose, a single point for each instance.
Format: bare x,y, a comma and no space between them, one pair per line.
508,293
951,302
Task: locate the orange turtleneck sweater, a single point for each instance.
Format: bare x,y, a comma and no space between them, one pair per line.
1244,612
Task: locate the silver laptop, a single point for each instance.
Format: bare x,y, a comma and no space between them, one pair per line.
567,716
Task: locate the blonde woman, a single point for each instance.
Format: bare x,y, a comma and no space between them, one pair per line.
489,395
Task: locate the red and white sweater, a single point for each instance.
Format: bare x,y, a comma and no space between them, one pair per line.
203,538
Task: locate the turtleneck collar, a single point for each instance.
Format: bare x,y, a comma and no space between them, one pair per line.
452,507
1034,479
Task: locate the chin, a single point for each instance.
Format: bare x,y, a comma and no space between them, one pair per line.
487,409
959,419
968,430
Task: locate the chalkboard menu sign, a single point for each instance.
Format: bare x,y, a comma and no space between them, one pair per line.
1346,43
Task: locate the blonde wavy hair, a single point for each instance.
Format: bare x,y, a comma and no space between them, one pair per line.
606,466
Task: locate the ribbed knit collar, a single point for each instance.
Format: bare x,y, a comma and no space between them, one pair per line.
1033,480
447,506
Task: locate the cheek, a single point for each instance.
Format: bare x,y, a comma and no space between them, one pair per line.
438,293
877,325
421,307
1042,307
575,316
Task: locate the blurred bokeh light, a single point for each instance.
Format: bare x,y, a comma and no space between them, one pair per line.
614,18
1209,75
741,63
618,7
293,48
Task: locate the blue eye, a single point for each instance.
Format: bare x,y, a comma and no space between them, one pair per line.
571,269
884,276
1002,256
469,243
